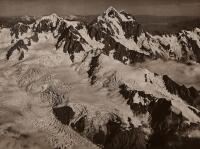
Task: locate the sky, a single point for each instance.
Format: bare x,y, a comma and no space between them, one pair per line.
91,7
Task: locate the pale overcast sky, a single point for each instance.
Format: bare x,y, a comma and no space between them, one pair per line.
89,7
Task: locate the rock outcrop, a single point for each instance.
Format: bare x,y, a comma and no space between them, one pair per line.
187,94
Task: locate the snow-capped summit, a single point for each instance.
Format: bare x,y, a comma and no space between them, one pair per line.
111,12
53,23
53,17
119,24
50,19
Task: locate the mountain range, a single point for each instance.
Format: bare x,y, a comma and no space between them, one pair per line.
74,82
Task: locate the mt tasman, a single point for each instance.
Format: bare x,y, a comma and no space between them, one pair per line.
77,85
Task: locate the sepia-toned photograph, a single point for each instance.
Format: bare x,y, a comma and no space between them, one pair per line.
99,74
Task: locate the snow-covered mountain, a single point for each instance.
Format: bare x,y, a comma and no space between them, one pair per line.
82,90
117,34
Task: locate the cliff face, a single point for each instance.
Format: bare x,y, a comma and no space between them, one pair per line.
70,37
19,29
187,94
19,46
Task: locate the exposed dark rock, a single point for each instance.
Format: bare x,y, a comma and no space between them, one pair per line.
96,30
165,47
187,94
18,46
45,26
79,126
186,56
164,123
178,142
122,53
113,128
21,55
112,134
70,37
100,137
128,139
64,114
137,108
35,37
93,65
195,49
19,29
132,29
130,55
116,137
62,27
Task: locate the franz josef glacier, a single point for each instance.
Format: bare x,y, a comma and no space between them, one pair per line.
73,84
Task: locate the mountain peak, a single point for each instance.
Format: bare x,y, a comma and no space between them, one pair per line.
52,17
49,20
111,12
111,8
